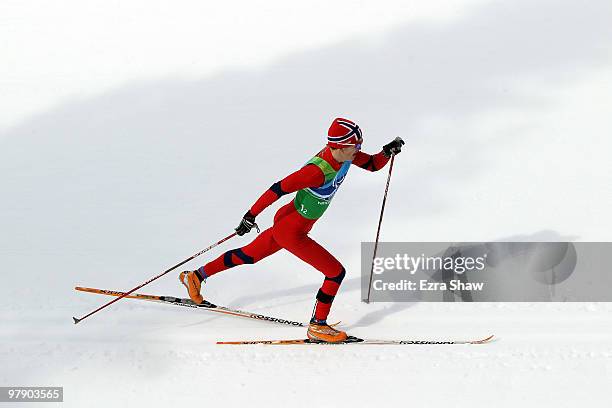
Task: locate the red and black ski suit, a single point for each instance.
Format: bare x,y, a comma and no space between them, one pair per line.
290,230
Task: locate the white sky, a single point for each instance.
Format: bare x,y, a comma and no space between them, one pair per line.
53,51
531,155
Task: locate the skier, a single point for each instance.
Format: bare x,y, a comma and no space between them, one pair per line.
316,183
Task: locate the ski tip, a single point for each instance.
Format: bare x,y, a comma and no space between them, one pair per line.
481,341
76,320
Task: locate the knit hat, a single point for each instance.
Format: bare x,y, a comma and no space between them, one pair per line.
343,133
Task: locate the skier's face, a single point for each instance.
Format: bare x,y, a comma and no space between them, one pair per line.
349,152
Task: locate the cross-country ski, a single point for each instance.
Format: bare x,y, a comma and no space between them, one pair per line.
205,305
356,341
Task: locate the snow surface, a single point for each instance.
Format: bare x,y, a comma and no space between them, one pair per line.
544,355
505,111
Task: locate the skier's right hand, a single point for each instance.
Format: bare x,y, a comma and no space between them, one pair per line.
247,223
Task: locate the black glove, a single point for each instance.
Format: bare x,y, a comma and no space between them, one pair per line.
394,147
247,223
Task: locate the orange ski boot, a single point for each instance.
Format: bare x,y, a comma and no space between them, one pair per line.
193,285
319,330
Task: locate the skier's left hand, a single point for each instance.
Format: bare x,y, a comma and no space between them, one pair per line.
394,147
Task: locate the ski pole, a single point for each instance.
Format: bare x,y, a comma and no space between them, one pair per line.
154,278
382,210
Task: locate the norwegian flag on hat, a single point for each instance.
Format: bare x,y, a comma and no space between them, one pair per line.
343,133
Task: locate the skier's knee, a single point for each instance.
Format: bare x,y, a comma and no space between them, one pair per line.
229,262
337,278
